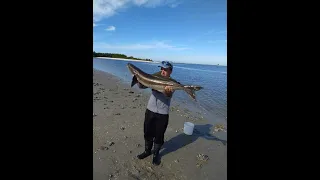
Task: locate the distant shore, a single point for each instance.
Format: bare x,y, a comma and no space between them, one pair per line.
122,59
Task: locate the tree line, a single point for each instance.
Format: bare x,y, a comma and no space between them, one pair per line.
116,55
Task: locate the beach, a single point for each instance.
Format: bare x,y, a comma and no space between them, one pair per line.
118,115
122,59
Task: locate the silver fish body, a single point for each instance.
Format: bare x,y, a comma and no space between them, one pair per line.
159,83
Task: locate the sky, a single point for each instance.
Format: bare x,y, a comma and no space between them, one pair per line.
187,31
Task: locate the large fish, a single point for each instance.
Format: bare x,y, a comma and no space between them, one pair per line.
159,83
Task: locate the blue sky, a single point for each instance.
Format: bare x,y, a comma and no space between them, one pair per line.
189,31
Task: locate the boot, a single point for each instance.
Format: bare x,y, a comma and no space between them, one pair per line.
156,156
147,151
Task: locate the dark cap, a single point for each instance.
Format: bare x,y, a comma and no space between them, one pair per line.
166,64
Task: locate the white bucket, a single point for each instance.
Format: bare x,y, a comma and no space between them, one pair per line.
188,128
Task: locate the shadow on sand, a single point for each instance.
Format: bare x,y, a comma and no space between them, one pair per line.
181,140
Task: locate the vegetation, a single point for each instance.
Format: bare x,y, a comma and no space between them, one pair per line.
115,55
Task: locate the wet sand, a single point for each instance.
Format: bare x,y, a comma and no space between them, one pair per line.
118,138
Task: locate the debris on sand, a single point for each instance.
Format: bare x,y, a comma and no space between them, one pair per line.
135,171
116,114
138,145
218,128
199,165
150,168
185,110
122,128
131,92
104,148
111,143
202,157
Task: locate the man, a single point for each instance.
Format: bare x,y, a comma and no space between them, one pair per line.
157,116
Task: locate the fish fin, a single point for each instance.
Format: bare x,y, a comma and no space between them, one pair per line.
191,91
196,88
134,81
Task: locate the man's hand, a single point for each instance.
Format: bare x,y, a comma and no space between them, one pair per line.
168,90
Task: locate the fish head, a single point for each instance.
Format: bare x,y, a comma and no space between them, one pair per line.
133,69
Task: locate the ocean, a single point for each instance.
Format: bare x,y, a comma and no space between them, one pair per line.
211,100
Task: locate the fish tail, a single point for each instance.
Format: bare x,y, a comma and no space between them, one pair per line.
191,90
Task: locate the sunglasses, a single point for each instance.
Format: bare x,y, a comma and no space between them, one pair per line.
164,69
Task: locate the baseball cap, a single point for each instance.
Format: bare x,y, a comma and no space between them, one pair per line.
166,64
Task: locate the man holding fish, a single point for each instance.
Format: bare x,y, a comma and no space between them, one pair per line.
157,112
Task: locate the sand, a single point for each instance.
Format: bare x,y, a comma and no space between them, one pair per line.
118,138
121,59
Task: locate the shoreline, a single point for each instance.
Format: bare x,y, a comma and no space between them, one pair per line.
194,111
118,137
122,59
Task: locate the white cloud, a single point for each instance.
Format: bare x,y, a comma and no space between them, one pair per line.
140,2
156,3
95,24
111,28
106,8
146,46
174,5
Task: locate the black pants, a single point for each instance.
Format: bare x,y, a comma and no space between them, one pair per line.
155,125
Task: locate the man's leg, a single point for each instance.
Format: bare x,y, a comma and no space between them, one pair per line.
148,134
161,124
